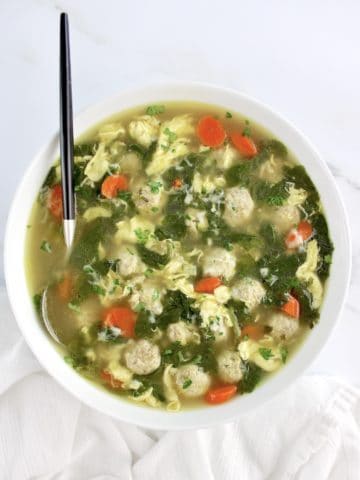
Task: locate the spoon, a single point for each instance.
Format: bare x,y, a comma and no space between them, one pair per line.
45,317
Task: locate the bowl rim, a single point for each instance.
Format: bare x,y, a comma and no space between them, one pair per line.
101,399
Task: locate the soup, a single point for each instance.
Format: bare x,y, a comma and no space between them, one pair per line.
199,262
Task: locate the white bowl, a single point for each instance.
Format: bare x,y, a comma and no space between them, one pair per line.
40,342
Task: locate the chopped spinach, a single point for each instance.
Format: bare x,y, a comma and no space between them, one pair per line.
173,225
252,375
50,178
86,248
308,315
279,275
184,170
151,258
144,153
145,325
202,355
243,173
177,306
240,311
275,147
270,194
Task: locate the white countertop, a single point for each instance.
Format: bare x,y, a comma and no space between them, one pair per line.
301,60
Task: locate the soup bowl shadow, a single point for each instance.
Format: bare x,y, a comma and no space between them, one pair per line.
49,354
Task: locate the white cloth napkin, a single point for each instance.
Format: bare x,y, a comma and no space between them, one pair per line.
309,432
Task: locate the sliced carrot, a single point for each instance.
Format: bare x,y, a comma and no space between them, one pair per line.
245,145
121,317
114,184
177,183
253,331
220,394
54,201
207,285
64,288
305,230
211,132
109,379
291,307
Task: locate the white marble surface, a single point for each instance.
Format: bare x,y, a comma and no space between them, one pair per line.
299,57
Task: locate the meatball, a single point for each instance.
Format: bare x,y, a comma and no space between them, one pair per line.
249,291
129,262
148,199
181,332
283,326
218,262
285,217
238,206
142,357
229,366
191,381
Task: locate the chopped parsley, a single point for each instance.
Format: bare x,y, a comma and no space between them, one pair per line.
45,246
186,383
155,186
283,353
142,235
155,109
266,353
247,129
171,135
228,115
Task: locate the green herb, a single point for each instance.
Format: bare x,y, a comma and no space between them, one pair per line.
251,377
244,173
177,306
308,314
275,147
228,115
142,235
45,246
145,325
98,290
50,178
74,307
155,186
85,250
37,300
283,353
148,272
202,355
110,335
139,307
154,381
240,311
155,109
280,274
151,258
145,154
171,135
271,194
326,247
266,353
328,258
155,209
247,129
187,383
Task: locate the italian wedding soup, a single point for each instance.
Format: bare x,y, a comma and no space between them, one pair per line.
199,261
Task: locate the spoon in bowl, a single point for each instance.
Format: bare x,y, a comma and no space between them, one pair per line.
66,134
